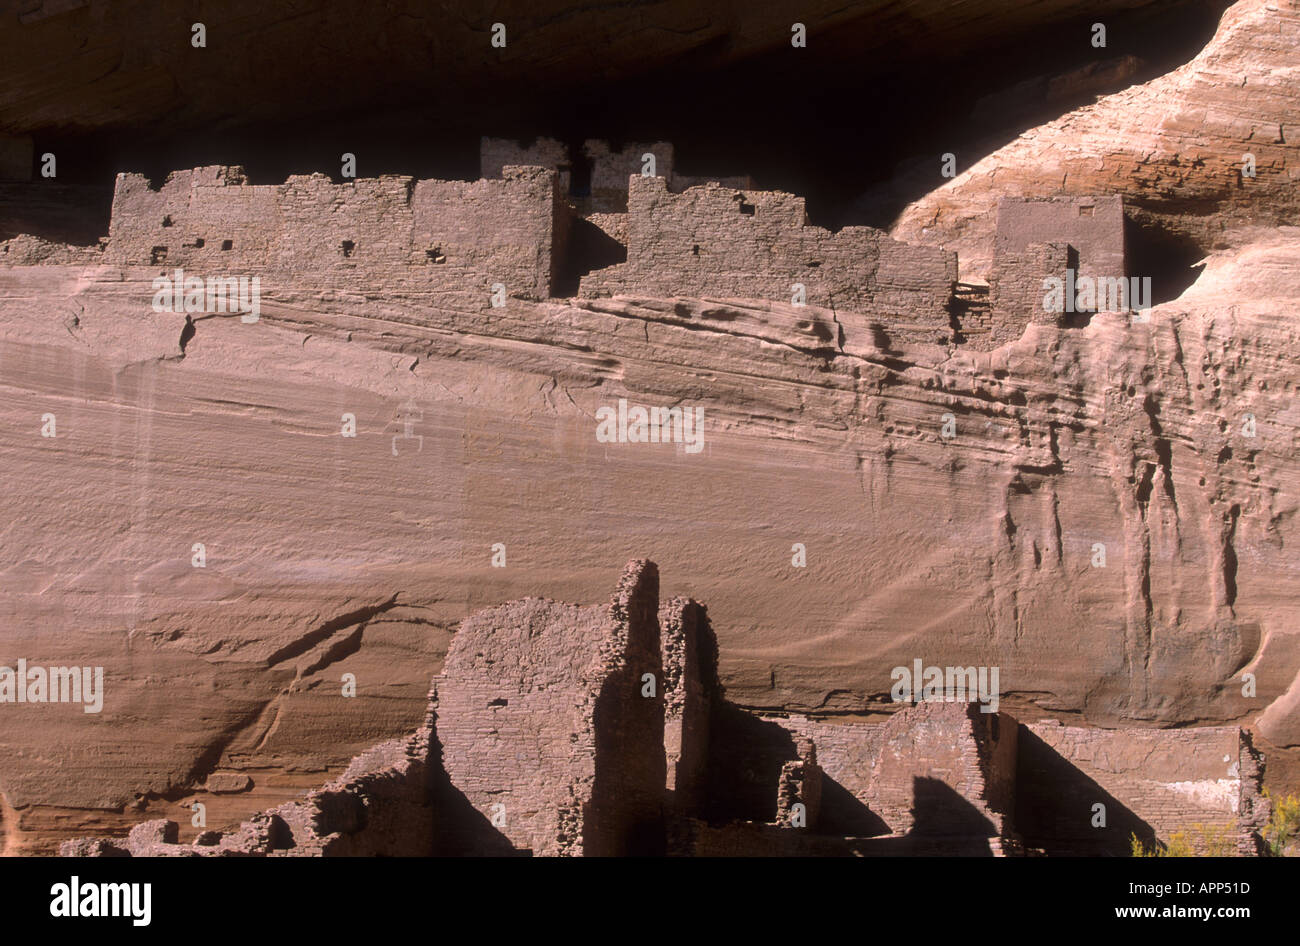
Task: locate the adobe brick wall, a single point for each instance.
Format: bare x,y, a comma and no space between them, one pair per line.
1016,290
611,168
1093,226
496,154
1153,783
717,241
539,709
451,236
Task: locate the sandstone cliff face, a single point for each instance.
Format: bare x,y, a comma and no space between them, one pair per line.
1172,443
547,735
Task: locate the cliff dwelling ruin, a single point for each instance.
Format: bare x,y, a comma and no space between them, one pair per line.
961,419
555,729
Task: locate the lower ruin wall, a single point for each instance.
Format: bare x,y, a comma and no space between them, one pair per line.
722,242
556,729
1151,784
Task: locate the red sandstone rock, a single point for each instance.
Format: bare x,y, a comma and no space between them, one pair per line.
1171,443
543,737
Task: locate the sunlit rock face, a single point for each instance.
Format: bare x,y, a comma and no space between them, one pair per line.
267,532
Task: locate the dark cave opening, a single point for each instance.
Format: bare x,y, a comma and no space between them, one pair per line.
724,116
580,166
1167,258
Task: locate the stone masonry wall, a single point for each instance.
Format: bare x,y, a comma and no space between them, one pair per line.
717,241
510,717
1093,226
1152,783
543,727
626,812
1016,290
690,688
453,236
610,169
496,154
933,768
945,769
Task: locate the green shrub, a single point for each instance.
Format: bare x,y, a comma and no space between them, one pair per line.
1283,824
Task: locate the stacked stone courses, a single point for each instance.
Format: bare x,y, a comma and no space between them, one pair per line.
561,730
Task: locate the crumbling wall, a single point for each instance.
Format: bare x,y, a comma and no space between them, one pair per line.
1016,291
25,250
690,689
935,769
716,241
381,806
945,769
543,726
800,784
626,812
516,740
496,154
611,168
450,236
1152,783
847,752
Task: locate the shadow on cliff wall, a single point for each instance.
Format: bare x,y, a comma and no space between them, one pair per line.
794,119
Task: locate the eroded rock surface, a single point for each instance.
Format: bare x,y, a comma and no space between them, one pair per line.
949,465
